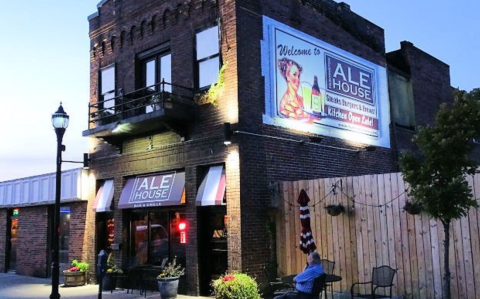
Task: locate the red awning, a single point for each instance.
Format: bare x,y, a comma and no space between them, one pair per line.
212,189
163,189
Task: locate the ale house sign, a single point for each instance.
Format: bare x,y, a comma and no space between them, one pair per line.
153,190
315,87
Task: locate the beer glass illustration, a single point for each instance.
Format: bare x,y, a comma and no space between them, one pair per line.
307,96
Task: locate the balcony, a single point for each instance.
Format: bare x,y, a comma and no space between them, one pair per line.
143,111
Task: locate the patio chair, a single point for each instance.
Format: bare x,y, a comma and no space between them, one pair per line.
382,277
273,285
318,286
328,267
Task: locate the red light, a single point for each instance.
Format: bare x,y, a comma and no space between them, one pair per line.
182,226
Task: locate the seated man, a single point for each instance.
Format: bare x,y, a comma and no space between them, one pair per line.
304,280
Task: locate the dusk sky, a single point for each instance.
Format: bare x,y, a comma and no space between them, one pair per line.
44,60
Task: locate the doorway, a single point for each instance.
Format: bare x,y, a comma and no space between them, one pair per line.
212,243
12,240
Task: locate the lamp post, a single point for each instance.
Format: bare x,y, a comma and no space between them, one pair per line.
60,124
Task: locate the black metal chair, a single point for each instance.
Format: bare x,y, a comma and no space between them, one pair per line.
328,267
149,281
382,277
274,285
318,287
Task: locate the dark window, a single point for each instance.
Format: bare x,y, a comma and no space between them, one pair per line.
154,237
64,240
401,99
208,56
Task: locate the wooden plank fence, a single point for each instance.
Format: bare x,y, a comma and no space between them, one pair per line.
376,231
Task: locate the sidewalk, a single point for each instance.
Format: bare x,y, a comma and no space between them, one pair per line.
13,286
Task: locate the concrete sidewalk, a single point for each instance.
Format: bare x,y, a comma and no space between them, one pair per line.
13,286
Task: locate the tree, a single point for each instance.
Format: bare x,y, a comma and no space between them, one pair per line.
437,174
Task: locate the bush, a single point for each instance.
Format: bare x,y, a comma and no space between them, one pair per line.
236,286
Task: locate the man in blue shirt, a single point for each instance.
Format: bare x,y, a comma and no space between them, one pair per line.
304,280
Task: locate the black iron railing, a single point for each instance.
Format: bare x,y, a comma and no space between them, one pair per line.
139,102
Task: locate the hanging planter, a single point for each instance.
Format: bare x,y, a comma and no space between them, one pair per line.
412,208
335,210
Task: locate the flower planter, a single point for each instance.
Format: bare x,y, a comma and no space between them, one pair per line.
412,208
74,279
335,210
109,282
168,287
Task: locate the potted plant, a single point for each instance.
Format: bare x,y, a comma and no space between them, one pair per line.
335,210
168,279
156,101
236,285
110,279
103,117
412,208
76,275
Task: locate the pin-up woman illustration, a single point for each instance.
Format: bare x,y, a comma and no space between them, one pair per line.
291,104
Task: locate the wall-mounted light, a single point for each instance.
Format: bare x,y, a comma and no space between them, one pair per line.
227,133
315,139
86,161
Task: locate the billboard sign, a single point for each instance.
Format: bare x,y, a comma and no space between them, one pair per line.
315,87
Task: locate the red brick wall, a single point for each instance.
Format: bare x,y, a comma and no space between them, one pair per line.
264,159
81,237
3,238
32,241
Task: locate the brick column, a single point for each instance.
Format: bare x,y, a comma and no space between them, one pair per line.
191,178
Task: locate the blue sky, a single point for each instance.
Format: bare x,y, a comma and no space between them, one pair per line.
44,59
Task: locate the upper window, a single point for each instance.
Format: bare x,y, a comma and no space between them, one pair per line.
155,69
107,88
208,56
401,99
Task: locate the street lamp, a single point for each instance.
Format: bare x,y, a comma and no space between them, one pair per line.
60,124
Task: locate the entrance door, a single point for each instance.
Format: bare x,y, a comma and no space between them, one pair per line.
212,241
12,244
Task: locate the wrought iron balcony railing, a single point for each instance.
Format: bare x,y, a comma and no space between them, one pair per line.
153,101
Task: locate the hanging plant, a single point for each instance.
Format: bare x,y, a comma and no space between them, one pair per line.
335,210
413,208
215,91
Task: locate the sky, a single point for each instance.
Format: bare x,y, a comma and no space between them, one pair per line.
44,60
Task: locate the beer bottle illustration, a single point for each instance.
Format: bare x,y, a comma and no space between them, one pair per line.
316,97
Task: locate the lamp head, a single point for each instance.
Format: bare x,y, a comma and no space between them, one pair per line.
60,118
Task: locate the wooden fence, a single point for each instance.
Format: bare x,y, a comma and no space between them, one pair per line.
376,231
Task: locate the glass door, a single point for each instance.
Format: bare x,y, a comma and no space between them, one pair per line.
12,244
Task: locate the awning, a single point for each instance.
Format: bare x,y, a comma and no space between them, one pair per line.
104,197
212,189
164,189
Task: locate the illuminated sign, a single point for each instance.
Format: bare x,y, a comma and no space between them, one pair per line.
153,190
315,87
16,212
182,227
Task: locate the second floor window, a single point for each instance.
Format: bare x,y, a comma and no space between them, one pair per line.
208,56
155,69
401,100
107,89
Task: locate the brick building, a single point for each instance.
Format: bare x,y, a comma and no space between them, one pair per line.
26,218
305,90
